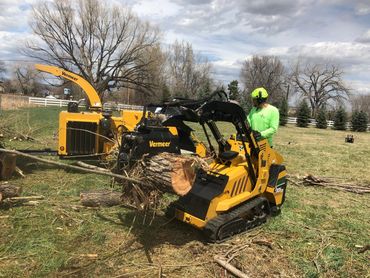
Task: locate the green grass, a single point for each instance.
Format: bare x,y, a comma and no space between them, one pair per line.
314,236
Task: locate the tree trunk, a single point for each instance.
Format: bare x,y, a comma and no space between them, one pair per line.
103,198
9,191
7,165
161,173
168,172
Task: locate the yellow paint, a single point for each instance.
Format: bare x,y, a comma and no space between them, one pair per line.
92,95
238,189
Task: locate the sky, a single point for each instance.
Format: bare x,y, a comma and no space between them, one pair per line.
230,31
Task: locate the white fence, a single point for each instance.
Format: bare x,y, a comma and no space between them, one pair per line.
121,106
293,120
63,103
48,101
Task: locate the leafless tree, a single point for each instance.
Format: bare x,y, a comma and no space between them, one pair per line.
188,72
27,80
2,70
361,103
155,72
101,42
320,84
267,72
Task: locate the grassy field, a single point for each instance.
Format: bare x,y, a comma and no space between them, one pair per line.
315,236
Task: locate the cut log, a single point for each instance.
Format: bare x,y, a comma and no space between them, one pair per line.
168,172
7,165
103,198
10,191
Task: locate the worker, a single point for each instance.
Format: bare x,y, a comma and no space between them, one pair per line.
263,117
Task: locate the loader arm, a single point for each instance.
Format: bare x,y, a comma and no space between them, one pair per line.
92,95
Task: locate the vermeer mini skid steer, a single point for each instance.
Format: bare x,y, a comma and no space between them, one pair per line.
246,181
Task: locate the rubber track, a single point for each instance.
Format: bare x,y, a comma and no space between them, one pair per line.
212,227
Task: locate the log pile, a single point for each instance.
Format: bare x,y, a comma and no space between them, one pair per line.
144,183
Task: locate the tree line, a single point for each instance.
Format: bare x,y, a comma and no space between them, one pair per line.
358,121
124,58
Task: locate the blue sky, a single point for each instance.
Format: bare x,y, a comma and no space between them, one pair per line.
230,31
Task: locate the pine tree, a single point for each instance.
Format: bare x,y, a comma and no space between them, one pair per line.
303,114
283,109
234,92
363,121
340,119
321,121
205,90
354,121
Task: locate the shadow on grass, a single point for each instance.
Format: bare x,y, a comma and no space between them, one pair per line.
152,232
28,165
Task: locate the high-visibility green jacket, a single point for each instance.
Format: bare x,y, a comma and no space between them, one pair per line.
264,120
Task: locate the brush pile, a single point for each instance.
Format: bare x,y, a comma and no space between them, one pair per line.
162,173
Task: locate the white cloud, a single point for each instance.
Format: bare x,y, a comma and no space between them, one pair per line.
155,10
14,15
365,37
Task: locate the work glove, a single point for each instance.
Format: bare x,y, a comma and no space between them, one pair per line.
257,135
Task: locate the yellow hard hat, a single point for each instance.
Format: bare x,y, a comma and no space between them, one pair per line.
259,93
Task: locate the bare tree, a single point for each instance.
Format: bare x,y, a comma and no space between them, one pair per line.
155,72
2,71
188,73
361,103
27,80
320,83
101,42
267,72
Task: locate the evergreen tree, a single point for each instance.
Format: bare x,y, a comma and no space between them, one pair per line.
303,114
283,109
234,92
205,90
321,121
363,121
354,120
340,119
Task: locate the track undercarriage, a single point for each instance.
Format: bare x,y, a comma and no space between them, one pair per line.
243,218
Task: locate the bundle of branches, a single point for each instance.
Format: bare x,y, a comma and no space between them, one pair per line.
331,183
13,127
162,173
